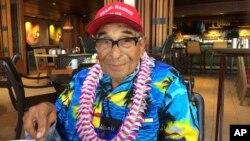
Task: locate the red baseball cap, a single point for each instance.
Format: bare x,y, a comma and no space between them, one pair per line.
116,12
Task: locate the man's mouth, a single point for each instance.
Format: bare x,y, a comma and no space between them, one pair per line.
116,67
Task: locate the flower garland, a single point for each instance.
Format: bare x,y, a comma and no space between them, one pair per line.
133,120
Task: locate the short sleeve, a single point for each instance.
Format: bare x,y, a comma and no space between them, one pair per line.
179,118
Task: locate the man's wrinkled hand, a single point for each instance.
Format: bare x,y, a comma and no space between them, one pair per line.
38,119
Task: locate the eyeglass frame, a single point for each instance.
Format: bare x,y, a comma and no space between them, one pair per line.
116,42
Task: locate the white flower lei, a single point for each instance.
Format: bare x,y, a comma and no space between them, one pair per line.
133,120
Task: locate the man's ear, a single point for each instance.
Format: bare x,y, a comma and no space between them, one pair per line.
143,44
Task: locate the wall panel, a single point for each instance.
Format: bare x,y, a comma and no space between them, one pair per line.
158,20
6,30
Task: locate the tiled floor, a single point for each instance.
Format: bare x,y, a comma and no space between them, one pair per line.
206,85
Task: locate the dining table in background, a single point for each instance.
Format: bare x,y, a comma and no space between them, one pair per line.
64,60
53,56
83,65
46,56
60,78
223,53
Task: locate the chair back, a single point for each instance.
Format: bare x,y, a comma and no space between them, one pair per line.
166,48
14,79
15,58
197,100
40,51
41,63
2,74
88,44
82,44
220,44
193,48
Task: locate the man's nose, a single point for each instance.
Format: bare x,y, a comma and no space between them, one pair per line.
115,51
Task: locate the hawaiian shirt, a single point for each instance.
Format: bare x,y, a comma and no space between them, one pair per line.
169,116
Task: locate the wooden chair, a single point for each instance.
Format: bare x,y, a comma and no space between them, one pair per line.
243,82
18,96
42,64
218,44
194,49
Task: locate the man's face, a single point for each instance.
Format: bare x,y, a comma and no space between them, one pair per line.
119,62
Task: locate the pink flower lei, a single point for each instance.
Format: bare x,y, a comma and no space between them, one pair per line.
133,120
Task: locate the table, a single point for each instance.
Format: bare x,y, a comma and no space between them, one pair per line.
45,55
223,53
60,78
64,60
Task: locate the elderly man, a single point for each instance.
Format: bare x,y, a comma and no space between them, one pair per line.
125,96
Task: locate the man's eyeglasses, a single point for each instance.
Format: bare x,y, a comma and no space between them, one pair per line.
105,45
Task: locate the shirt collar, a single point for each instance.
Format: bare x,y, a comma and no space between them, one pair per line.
126,84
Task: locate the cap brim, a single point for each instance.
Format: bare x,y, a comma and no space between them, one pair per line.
94,25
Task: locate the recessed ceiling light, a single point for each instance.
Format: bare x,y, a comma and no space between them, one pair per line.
53,3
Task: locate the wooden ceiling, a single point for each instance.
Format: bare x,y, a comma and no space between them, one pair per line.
193,2
236,11
57,9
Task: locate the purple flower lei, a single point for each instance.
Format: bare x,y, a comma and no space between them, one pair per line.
133,120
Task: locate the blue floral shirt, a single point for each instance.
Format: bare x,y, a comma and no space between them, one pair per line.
169,116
